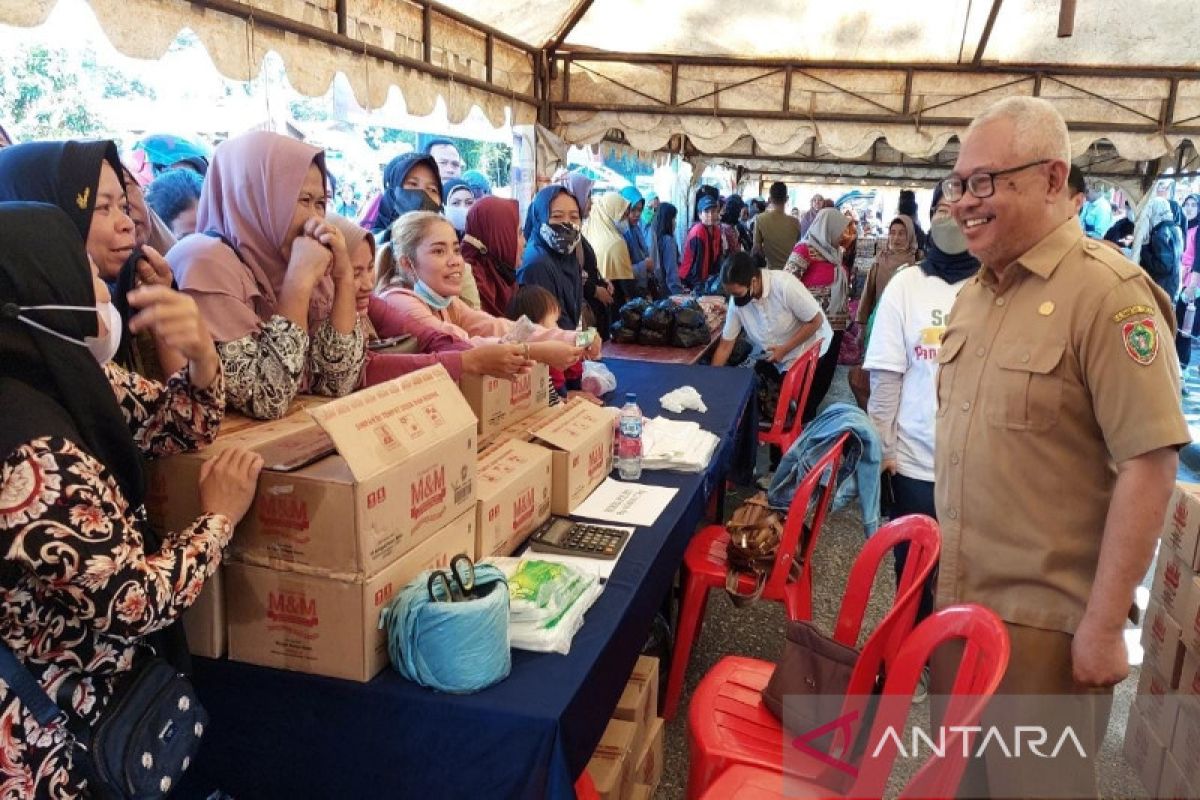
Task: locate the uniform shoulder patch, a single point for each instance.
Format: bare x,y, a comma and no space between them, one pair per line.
1141,340
1132,311
1112,258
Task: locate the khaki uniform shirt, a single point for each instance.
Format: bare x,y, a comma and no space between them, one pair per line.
1048,379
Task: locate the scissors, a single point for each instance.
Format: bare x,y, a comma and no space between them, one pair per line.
458,584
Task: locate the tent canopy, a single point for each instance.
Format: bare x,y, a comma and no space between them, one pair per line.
777,87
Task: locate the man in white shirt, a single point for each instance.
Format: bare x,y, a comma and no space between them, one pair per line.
777,313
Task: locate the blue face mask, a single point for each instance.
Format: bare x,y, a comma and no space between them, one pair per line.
432,298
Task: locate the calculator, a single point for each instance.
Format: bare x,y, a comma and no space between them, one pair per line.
570,538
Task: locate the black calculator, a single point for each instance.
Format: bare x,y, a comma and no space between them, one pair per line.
570,538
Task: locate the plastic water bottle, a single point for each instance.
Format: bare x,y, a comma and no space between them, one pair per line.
629,440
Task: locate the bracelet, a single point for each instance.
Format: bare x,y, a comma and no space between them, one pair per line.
526,346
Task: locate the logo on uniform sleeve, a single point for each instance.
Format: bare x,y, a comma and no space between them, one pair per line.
1141,340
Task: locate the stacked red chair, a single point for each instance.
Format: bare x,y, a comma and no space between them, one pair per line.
793,395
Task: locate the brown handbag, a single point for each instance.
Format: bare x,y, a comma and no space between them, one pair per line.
755,531
815,670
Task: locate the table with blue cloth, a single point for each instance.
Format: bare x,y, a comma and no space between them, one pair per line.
278,734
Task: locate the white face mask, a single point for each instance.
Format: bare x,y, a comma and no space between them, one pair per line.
457,216
102,349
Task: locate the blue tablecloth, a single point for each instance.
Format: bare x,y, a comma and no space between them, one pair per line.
288,735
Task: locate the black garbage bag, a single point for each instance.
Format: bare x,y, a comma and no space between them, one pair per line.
690,337
659,317
654,338
631,313
692,318
619,334
741,351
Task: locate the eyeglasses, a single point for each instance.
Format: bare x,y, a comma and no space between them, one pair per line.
980,184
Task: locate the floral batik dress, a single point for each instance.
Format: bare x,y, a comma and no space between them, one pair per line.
78,590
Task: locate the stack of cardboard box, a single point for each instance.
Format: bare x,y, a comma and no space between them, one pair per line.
1162,738
359,495
628,762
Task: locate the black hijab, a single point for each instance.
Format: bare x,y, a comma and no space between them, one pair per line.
396,200
51,387
951,268
65,174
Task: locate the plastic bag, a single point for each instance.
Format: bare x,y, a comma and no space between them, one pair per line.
693,318
547,602
631,313
659,317
521,331
652,338
690,337
619,334
598,379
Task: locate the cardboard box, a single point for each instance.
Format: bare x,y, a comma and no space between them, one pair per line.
1189,616
1172,584
326,624
639,699
498,403
1161,640
1143,751
204,621
648,765
1181,531
404,467
1189,676
514,480
1185,740
641,792
611,765
1156,703
581,438
1174,785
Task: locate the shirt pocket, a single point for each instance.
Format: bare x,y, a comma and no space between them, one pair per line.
948,363
1029,386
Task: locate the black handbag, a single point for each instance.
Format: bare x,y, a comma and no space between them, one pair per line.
146,736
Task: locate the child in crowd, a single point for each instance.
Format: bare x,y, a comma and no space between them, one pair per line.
540,306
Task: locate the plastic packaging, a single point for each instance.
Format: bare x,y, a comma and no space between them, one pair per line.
677,400
547,602
629,440
598,379
521,331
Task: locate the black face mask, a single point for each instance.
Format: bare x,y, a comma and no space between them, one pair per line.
406,200
743,300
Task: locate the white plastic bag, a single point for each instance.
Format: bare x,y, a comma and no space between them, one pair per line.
547,602
598,379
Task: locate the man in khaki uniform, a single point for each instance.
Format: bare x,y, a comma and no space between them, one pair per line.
1058,426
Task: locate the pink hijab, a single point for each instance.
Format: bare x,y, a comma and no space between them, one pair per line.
249,199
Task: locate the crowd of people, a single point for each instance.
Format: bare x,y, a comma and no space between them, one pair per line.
142,300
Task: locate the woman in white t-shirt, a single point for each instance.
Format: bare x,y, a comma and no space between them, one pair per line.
902,361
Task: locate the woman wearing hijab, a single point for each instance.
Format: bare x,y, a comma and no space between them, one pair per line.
410,183
597,291
602,230
635,240
900,251
429,346
817,262
902,361
1190,269
731,217
1158,245
272,278
87,181
459,200
492,245
481,187
550,261
86,581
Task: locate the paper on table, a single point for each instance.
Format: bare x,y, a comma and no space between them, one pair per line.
625,503
600,566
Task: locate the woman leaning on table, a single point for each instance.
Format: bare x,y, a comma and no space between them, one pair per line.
271,276
85,581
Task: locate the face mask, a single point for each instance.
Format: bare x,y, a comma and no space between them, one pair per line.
406,200
457,216
431,298
623,226
102,349
947,236
561,237
743,300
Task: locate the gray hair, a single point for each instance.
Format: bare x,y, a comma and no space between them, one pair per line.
1038,129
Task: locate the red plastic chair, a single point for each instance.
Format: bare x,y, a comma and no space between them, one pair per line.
705,567
794,392
727,720
984,660
585,787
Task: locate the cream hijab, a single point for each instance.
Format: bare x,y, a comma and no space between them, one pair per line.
612,253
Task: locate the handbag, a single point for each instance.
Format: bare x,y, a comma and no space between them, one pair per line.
755,530
146,736
816,670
